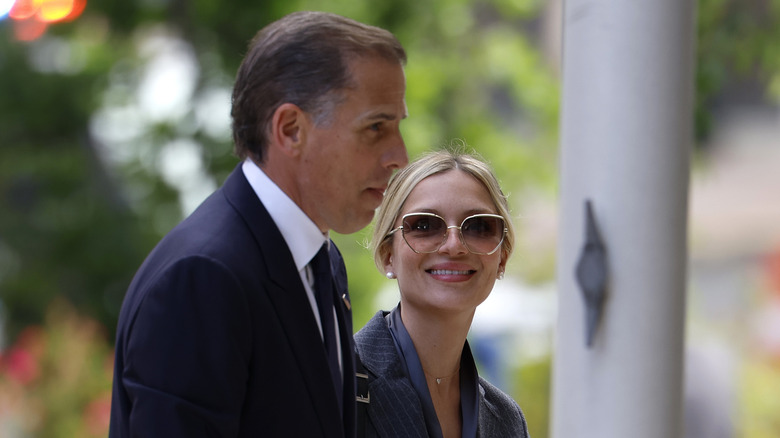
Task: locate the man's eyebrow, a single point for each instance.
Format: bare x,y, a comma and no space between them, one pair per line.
383,116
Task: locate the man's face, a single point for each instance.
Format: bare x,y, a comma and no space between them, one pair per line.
347,162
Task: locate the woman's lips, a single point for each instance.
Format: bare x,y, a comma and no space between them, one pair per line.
449,272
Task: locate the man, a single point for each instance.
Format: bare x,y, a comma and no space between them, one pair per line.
222,332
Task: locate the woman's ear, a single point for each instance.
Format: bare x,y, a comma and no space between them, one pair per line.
289,125
387,258
502,263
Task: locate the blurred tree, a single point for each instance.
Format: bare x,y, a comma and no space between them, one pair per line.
63,229
737,43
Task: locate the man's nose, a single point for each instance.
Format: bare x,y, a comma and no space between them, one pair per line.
397,156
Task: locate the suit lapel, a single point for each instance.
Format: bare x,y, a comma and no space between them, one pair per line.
288,297
395,408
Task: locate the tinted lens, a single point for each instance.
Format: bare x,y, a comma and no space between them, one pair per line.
424,233
482,234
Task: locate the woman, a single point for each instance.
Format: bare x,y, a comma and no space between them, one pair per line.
444,232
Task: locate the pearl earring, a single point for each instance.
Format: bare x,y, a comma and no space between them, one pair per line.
390,275
500,275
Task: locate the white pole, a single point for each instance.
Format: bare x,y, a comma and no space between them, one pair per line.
626,135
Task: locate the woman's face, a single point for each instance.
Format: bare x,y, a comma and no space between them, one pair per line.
451,279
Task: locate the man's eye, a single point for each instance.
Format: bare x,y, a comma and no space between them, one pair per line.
375,126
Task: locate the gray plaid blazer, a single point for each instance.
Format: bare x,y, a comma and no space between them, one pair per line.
395,410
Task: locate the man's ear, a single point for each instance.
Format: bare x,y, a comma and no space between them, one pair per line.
288,128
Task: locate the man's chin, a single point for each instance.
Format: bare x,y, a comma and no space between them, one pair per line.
354,224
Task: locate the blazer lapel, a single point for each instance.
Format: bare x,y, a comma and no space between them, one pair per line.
288,297
395,408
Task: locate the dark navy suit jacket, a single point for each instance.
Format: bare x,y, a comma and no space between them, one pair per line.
395,409
217,338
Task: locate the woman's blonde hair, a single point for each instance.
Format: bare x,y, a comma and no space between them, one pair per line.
432,163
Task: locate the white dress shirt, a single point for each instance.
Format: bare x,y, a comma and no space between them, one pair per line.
303,237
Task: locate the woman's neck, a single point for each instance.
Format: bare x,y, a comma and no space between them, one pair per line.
438,339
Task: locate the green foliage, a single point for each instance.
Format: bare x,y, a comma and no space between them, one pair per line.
532,392
736,41
62,231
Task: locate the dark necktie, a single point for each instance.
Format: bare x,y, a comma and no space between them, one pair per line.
323,291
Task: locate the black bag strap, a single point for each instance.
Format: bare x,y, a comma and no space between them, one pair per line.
362,397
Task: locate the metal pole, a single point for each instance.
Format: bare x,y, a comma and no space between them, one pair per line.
626,135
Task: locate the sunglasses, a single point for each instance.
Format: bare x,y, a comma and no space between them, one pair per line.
426,232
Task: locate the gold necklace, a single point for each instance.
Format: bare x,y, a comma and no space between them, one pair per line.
439,379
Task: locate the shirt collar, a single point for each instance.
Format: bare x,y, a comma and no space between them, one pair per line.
301,234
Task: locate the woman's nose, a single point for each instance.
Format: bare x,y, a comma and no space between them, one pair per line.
453,243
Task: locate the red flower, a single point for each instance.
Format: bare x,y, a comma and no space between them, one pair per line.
21,362
20,365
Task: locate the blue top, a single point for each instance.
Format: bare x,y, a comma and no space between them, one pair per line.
469,383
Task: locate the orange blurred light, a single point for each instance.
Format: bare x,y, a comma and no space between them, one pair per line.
29,30
47,11
23,9
51,11
76,10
